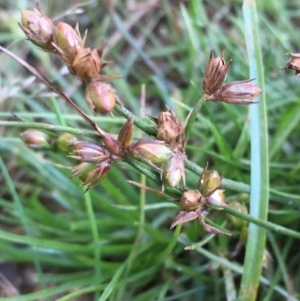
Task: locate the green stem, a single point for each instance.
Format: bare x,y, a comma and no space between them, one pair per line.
262,223
192,117
148,129
49,127
259,198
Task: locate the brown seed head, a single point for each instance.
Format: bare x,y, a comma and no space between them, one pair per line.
170,129
238,92
293,63
191,200
87,64
100,97
215,73
150,150
91,174
38,28
126,134
217,199
89,151
210,180
68,42
173,170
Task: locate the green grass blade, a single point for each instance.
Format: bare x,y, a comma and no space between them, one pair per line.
259,161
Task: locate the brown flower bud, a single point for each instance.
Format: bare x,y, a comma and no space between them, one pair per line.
238,92
150,150
209,181
38,28
64,142
173,170
293,63
89,151
126,134
111,144
91,174
215,73
217,199
68,43
190,200
96,175
170,129
100,97
87,63
36,139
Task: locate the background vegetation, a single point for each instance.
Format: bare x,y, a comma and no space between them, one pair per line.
115,243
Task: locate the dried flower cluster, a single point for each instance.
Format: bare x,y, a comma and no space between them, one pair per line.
84,62
237,92
165,152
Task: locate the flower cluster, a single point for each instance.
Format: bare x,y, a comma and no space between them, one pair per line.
165,152
197,203
84,62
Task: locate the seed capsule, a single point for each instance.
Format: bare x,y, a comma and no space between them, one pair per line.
209,181
215,73
87,64
64,142
100,97
293,63
38,28
36,139
170,129
151,150
217,199
68,43
89,151
190,200
126,134
238,92
173,170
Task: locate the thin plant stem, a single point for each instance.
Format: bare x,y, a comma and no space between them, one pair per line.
192,117
259,198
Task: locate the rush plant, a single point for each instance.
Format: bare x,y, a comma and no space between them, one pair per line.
154,153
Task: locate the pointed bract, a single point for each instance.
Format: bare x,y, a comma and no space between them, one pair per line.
215,73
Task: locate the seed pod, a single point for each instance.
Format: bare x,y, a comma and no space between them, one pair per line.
96,175
170,129
68,42
238,92
173,170
38,28
36,139
100,97
215,73
90,174
293,63
89,151
126,134
87,63
190,200
217,199
150,150
209,181
64,142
